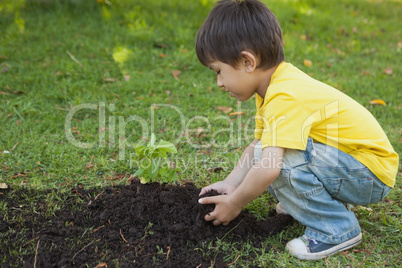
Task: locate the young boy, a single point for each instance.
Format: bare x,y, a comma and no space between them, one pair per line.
314,147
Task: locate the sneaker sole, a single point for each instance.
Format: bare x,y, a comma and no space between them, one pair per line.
319,255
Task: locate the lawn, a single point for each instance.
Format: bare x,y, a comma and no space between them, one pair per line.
82,82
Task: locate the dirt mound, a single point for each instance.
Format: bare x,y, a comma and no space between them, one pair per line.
141,225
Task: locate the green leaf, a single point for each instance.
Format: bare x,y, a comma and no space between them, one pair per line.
158,153
164,172
164,180
151,159
174,176
141,150
154,170
166,146
153,139
139,172
145,163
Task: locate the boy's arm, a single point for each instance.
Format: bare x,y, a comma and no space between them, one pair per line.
237,175
257,180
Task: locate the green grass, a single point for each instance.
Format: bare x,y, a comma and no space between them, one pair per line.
119,58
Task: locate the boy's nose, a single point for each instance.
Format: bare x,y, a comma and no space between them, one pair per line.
219,82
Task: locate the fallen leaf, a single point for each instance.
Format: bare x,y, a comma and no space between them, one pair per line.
12,149
365,208
399,45
224,109
167,92
109,79
342,31
378,101
176,74
140,98
308,63
127,78
103,264
5,69
215,169
160,45
362,251
203,152
4,166
199,130
18,122
387,200
162,55
306,37
388,71
338,51
154,106
3,186
237,113
74,59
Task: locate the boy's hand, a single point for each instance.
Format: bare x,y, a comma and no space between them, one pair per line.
224,212
221,187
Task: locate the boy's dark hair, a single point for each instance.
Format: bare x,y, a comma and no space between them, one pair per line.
234,26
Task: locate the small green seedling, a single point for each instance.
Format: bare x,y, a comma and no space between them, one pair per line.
153,163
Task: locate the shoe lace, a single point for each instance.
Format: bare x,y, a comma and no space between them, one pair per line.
307,240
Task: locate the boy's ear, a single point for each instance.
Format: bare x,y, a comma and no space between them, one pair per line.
249,61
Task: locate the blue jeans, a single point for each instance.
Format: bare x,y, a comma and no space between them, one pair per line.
313,184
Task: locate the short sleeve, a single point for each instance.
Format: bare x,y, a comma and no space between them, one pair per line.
259,119
286,123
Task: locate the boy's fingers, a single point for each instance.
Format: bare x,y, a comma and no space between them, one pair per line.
203,191
216,222
208,200
209,217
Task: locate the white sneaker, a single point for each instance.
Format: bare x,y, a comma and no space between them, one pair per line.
310,249
280,209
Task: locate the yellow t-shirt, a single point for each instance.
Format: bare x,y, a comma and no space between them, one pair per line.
297,106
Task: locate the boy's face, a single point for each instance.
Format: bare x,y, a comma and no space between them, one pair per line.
237,81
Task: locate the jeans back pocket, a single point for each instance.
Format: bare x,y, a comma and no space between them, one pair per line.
355,191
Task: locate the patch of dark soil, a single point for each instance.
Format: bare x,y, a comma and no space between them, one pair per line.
140,225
